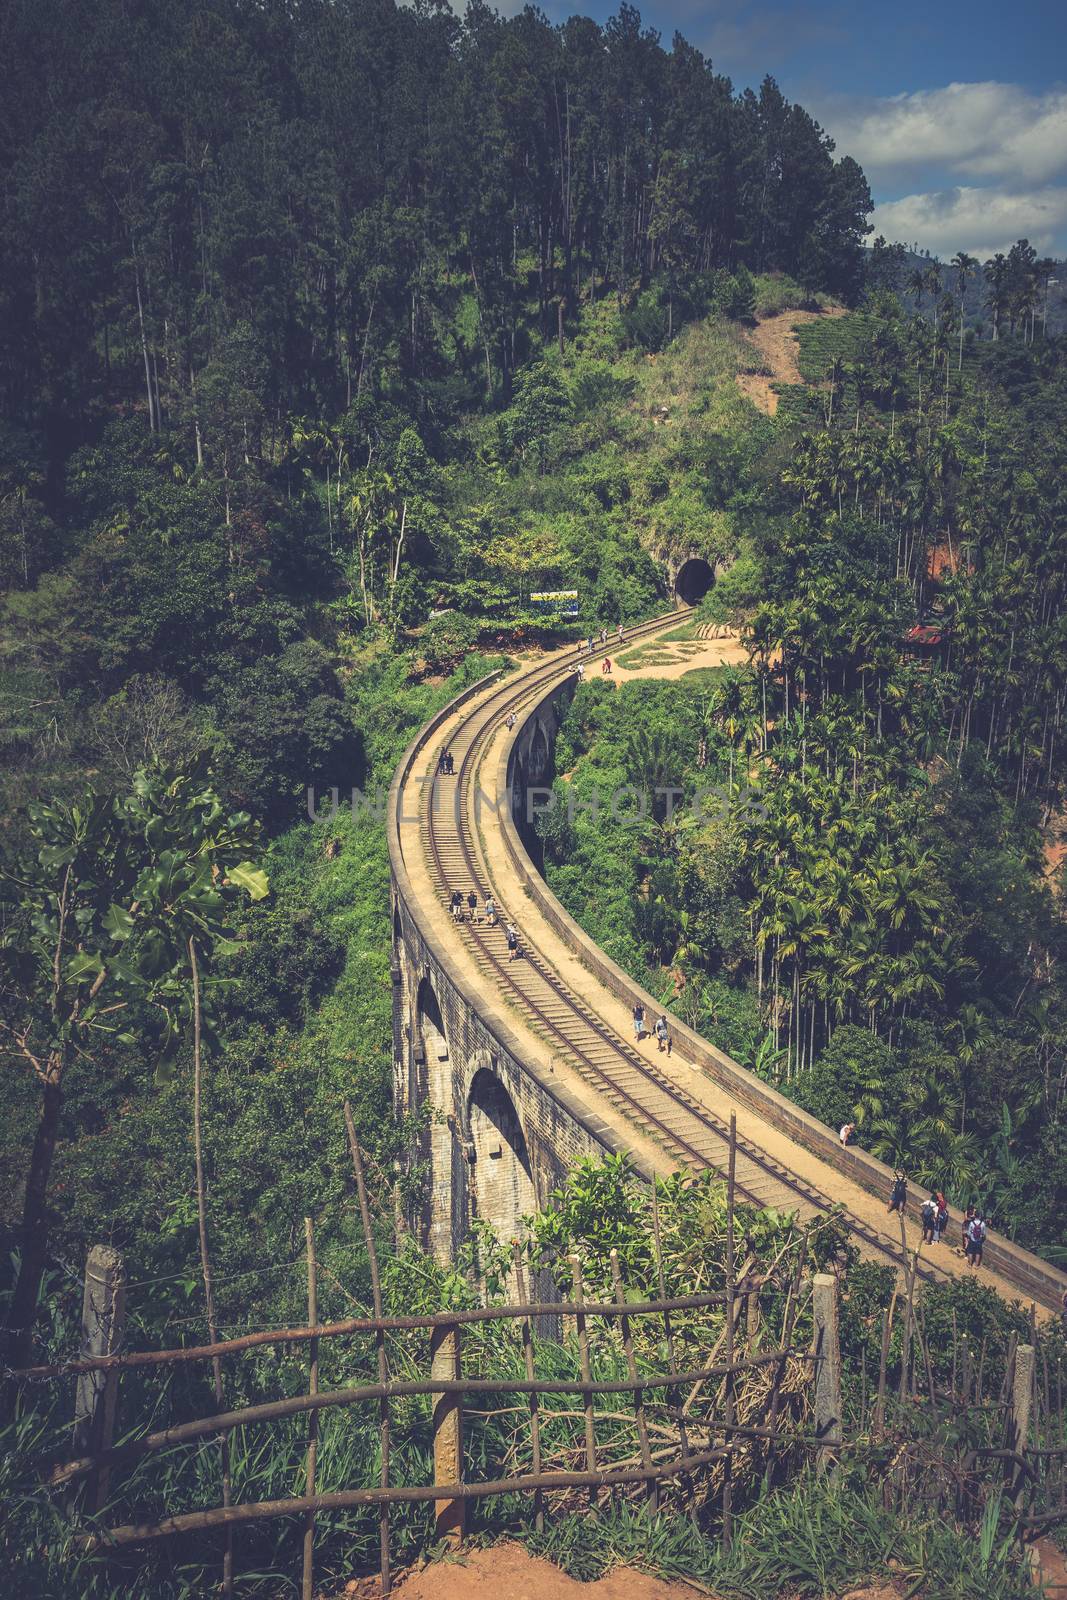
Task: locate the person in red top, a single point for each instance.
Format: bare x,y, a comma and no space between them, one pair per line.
941,1220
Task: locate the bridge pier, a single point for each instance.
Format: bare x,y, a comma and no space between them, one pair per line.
497,1139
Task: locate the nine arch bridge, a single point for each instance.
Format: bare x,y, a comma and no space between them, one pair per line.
527,1065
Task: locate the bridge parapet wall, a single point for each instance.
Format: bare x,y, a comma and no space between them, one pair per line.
502,1134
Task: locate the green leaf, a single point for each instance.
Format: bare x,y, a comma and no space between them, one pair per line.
86,962
249,876
125,971
118,922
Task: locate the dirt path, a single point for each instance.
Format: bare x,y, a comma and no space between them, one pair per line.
507,1570
776,342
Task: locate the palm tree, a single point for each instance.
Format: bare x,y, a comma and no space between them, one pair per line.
965,267
861,378
933,283
996,277
916,285
835,369
1043,271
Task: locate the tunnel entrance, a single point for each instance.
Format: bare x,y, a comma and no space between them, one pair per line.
502,1189
694,579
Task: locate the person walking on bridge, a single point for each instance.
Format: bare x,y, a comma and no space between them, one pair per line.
976,1236
490,910
662,1034
639,1021
968,1217
941,1220
472,906
898,1199
511,933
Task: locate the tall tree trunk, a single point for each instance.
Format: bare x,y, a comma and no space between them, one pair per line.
144,345
23,1309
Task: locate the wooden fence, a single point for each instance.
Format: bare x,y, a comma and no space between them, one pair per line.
687,1445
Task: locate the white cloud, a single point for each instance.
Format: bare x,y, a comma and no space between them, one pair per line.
977,130
978,220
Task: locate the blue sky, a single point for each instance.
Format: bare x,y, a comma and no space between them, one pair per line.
956,111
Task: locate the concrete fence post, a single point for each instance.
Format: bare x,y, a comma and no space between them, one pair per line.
445,1363
1022,1390
103,1327
827,1370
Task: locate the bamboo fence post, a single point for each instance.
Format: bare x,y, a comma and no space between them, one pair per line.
792,1301
583,1354
1022,1394
673,1396
205,1264
631,1367
96,1394
1063,1420
863,1390
307,1583
446,1363
1009,1368
535,1419
924,1350
727,1465
827,1371
379,1340
883,1358
910,1274
963,1405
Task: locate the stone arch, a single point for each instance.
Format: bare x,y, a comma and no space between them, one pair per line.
502,1189
431,1027
518,787
539,756
695,577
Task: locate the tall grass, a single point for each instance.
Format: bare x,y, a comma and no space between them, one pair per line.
816,1538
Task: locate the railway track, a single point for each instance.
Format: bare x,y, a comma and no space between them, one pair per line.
694,1138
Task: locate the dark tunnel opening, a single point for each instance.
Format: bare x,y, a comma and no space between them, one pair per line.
694,579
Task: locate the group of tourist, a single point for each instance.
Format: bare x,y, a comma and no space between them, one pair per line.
589,645
661,1032
464,908
935,1220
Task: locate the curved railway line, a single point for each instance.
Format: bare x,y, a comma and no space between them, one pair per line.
451,820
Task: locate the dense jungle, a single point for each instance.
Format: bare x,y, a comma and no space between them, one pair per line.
329,334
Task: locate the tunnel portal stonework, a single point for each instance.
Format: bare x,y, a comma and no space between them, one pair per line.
496,1138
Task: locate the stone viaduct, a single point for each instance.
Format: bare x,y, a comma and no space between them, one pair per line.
489,1061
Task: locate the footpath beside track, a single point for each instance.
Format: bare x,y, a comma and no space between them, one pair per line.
567,1005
